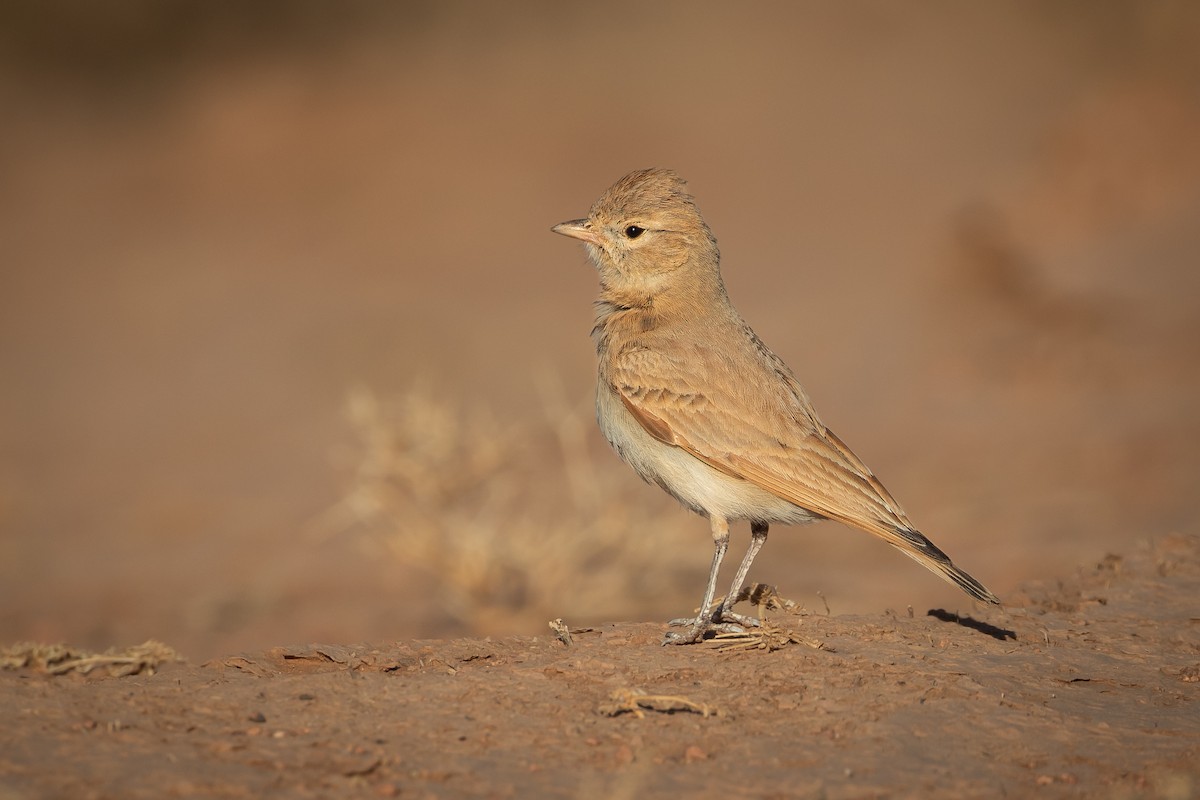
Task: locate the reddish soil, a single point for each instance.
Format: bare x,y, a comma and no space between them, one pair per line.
1089,687
969,228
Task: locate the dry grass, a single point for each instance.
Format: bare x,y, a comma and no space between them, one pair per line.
518,522
59,659
633,701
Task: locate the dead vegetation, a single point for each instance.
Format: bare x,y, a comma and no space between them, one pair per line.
768,636
517,522
637,701
59,659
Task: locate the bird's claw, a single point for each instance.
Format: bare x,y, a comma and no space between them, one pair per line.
743,620
699,629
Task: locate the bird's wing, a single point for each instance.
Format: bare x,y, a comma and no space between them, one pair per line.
762,428
768,436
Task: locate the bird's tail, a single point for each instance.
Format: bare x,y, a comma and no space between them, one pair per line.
914,545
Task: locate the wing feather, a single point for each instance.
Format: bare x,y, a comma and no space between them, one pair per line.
770,436
782,447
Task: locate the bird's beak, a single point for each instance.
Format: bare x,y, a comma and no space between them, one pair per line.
578,229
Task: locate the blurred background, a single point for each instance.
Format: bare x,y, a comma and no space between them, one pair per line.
289,353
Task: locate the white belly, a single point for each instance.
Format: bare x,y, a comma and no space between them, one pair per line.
698,486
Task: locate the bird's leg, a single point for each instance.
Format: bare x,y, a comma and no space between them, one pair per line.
758,536
696,628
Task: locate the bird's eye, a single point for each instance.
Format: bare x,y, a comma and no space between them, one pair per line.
633,231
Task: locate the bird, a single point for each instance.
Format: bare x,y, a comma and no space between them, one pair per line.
690,397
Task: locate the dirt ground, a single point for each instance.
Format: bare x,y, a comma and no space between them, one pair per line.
289,354
1085,687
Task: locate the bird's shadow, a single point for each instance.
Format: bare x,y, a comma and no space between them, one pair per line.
1003,634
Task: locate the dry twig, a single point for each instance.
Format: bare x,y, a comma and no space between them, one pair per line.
632,701
59,659
561,631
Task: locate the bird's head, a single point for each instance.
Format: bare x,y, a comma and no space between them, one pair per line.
645,233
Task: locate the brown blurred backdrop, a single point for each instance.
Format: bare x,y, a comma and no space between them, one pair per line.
971,229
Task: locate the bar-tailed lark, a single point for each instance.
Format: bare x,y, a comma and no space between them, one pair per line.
693,400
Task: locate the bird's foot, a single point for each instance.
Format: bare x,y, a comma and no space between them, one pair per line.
698,629
727,617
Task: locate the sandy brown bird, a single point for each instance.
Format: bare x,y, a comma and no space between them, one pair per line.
693,400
